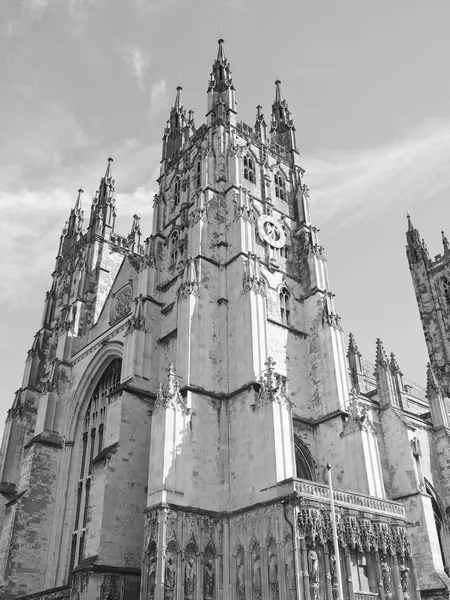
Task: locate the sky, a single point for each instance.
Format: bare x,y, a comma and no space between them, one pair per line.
368,87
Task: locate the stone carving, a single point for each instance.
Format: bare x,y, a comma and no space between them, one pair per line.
415,447
290,578
273,387
190,577
151,573
404,576
190,280
209,580
256,574
113,587
273,576
121,305
313,565
358,416
240,575
253,279
169,395
137,321
386,577
170,579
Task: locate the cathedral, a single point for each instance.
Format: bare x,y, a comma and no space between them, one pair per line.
192,423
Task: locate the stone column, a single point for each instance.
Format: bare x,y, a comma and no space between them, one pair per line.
414,581
396,579
348,570
304,568
326,557
379,576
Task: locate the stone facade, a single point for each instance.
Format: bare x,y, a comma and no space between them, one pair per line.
183,397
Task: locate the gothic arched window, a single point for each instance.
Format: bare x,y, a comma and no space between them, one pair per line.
174,248
284,299
279,185
94,421
249,169
199,174
440,521
446,286
177,192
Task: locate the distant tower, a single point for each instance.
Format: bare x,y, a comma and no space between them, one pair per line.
431,280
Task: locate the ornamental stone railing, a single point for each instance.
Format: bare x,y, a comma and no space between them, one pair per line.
347,499
366,596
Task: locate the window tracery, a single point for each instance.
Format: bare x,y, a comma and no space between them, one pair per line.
280,186
284,302
94,421
249,169
175,248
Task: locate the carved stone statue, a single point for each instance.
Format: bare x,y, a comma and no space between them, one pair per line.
404,575
313,565
386,575
256,579
241,581
189,580
208,586
273,576
152,577
170,579
333,572
290,578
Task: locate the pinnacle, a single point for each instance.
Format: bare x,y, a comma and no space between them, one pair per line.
393,364
410,225
381,359
108,168
178,99
278,93
221,52
352,347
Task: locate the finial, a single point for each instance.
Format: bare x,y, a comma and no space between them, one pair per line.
410,225
278,92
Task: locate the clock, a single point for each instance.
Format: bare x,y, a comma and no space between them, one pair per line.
271,231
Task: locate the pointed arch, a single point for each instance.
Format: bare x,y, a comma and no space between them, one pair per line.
285,304
304,462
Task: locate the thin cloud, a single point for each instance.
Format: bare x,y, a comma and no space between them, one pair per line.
35,9
79,8
146,6
405,171
158,98
137,61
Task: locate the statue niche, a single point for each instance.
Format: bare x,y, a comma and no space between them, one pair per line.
240,574
190,572
256,572
273,576
170,571
151,570
208,574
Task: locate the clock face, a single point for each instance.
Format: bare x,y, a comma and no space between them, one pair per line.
270,231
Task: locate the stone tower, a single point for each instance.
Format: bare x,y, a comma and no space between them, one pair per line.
431,280
183,398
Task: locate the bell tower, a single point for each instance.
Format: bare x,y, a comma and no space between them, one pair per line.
431,281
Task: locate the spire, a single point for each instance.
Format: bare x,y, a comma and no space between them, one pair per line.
282,126
221,52
445,242
178,106
393,365
278,93
354,362
381,359
177,126
416,250
387,389
134,237
103,212
221,100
